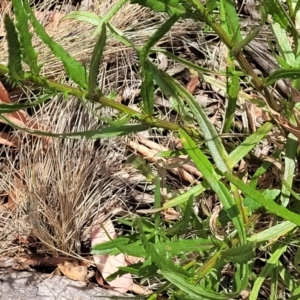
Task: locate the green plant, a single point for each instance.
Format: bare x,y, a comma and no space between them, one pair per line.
202,258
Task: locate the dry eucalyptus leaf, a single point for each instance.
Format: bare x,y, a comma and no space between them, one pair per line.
20,117
73,271
108,264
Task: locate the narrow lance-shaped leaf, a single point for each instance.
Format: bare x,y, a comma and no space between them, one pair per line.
240,45
274,8
282,73
15,70
230,20
195,292
246,146
167,6
213,179
158,34
267,203
232,91
28,52
74,69
266,271
147,88
10,108
289,168
108,15
96,59
90,134
168,87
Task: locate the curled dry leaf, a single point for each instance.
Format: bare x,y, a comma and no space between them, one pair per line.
73,271
108,264
171,214
213,222
20,118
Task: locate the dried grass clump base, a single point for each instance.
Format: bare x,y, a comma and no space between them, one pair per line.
58,188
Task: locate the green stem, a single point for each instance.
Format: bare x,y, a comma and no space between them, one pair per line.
65,89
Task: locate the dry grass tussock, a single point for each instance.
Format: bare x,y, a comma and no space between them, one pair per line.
59,187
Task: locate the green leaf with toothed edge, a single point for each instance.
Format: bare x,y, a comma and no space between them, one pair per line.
74,69
28,53
15,70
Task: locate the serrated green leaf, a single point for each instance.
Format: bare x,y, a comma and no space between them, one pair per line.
240,254
28,52
74,69
15,70
96,59
230,20
283,44
123,245
275,10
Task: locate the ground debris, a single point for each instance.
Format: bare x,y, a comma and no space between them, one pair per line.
30,285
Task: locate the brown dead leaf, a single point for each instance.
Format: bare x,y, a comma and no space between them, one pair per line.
192,84
73,271
171,214
140,290
20,118
108,264
133,259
